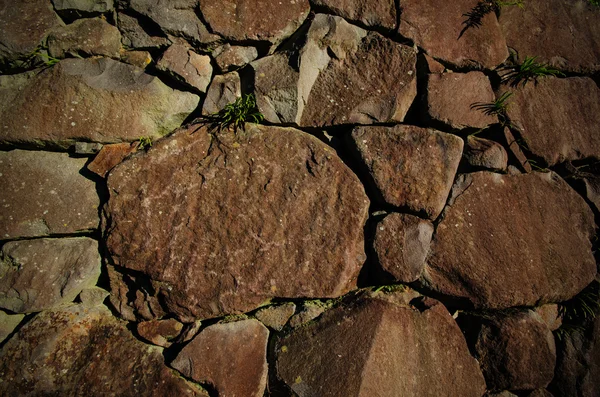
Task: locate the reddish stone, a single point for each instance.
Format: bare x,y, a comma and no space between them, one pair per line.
109,156
187,66
375,13
276,317
93,36
483,153
160,332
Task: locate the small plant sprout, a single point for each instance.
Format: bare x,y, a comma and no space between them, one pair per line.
483,8
236,114
144,143
526,71
496,108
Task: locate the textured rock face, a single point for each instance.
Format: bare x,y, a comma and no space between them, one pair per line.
516,352
40,274
88,6
232,357
436,26
8,323
266,20
402,244
92,36
89,99
497,252
276,317
558,118
450,97
229,57
134,36
483,153
411,167
160,332
109,156
565,34
223,90
192,69
79,351
220,223
379,349
44,194
376,13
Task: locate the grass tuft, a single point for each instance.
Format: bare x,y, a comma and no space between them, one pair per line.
236,114
527,71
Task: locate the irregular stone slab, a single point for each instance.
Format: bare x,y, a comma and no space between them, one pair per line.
310,311
134,36
86,148
93,296
515,151
450,97
160,332
436,26
512,240
43,194
223,90
85,6
558,118
110,156
550,315
402,244
230,57
379,349
188,67
89,99
40,274
243,214
411,167
516,352
563,34
275,317
80,351
93,36
373,13
8,324
141,59
483,153
268,20
232,357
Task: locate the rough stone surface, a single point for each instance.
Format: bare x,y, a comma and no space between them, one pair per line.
87,148
93,296
232,357
89,99
40,274
141,59
43,194
275,317
267,20
379,349
229,57
558,118
187,66
92,36
8,323
86,6
220,223
374,13
436,25
483,153
496,251
310,311
109,156
540,393
411,167
515,152
78,351
134,36
565,34
516,352
550,315
450,97
591,184
160,332
223,90
402,244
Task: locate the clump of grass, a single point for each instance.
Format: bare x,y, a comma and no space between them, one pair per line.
483,8
144,143
580,310
527,71
496,108
236,114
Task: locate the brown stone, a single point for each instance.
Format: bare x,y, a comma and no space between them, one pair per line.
84,6
141,59
540,393
78,351
134,36
275,317
550,315
89,99
562,33
433,66
109,156
93,296
8,324
219,223
372,13
377,348
515,152
44,194
232,357
512,240
190,68
310,311
436,26
451,96
230,57
223,90
402,244
483,153
39,274
558,118
92,36
160,332
411,167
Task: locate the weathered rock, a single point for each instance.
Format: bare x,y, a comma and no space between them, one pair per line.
87,148
43,194
504,393
223,90
275,317
268,20
78,351
591,184
562,33
402,244
451,96
93,36
89,99
243,214
141,306
229,57
23,25
232,357
310,311
495,251
483,153
540,393
550,315
84,6
110,156
437,27
160,332
190,68
93,296
411,167
134,36
558,118
516,155
379,349
375,13
141,59
8,324
432,66
516,352
40,274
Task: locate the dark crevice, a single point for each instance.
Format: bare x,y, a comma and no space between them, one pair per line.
147,24
275,386
93,234
386,32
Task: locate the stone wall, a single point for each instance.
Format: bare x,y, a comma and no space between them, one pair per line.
413,215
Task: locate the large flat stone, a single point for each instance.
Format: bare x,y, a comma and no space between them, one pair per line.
517,240
220,222
89,99
192,69
371,13
44,194
89,36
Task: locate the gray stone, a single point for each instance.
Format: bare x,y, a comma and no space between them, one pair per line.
93,36
277,316
310,311
86,148
134,36
93,296
230,57
8,324
187,66
223,90
86,6
483,153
